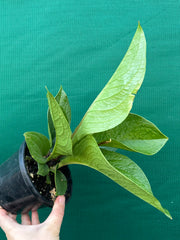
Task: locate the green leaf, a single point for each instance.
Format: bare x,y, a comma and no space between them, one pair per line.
63,144
43,169
60,182
114,102
63,102
136,134
117,167
38,146
129,170
48,179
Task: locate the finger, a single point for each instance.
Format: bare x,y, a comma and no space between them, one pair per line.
6,222
56,216
35,218
25,219
13,216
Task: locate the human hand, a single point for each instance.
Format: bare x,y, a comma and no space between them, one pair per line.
33,229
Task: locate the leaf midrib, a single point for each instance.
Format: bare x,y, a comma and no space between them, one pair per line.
107,163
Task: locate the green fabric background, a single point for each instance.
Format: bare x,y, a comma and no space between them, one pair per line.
79,44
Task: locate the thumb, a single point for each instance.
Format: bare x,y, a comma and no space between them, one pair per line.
56,216
6,222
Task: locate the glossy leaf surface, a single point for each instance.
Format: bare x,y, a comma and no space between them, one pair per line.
117,167
114,102
136,134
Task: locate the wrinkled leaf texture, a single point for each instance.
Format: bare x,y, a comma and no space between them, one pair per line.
63,143
63,102
136,134
114,102
117,167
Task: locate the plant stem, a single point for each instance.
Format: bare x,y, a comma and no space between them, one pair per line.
54,161
105,142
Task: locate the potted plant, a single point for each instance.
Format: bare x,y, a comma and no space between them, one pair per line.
107,125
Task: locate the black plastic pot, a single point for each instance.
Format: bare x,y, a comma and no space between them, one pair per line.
17,193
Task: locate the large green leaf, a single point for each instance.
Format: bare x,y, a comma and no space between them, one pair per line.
63,144
63,102
117,167
129,170
38,146
136,134
114,102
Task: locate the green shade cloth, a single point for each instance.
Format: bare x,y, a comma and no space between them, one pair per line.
79,44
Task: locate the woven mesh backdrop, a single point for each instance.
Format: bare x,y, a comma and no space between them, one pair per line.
79,44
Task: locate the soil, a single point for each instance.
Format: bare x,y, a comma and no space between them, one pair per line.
48,191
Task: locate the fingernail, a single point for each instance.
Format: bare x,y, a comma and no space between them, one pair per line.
61,199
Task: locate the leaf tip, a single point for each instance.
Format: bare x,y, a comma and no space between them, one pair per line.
25,134
47,89
139,26
168,214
